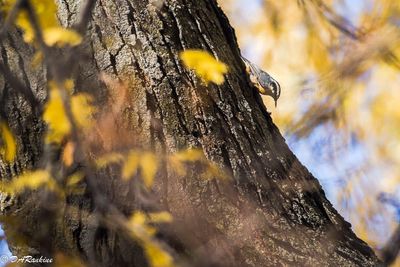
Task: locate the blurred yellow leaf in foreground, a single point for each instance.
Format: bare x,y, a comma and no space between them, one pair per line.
144,233
108,159
46,15
8,145
60,36
56,117
55,113
146,161
205,65
82,109
29,180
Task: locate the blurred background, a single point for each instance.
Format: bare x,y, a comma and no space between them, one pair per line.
338,64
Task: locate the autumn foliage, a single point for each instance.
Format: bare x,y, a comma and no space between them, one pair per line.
338,75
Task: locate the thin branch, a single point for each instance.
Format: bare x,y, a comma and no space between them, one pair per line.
38,31
14,82
72,54
2,111
338,21
17,85
84,17
11,17
390,251
59,80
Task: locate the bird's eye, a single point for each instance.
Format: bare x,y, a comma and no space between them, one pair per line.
276,88
273,85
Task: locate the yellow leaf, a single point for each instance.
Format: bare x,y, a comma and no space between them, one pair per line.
72,186
55,114
29,180
109,159
139,226
60,36
74,179
37,59
8,144
68,154
149,166
144,233
177,166
82,109
56,117
205,65
146,162
46,13
160,217
131,165
69,84
156,256
191,155
214,171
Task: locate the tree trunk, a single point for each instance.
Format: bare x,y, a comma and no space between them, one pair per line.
274,213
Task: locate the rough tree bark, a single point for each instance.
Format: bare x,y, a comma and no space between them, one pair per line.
276,214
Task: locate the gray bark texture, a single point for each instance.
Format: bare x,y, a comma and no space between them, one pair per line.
273,213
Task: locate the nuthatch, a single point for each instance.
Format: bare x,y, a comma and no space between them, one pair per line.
265,84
